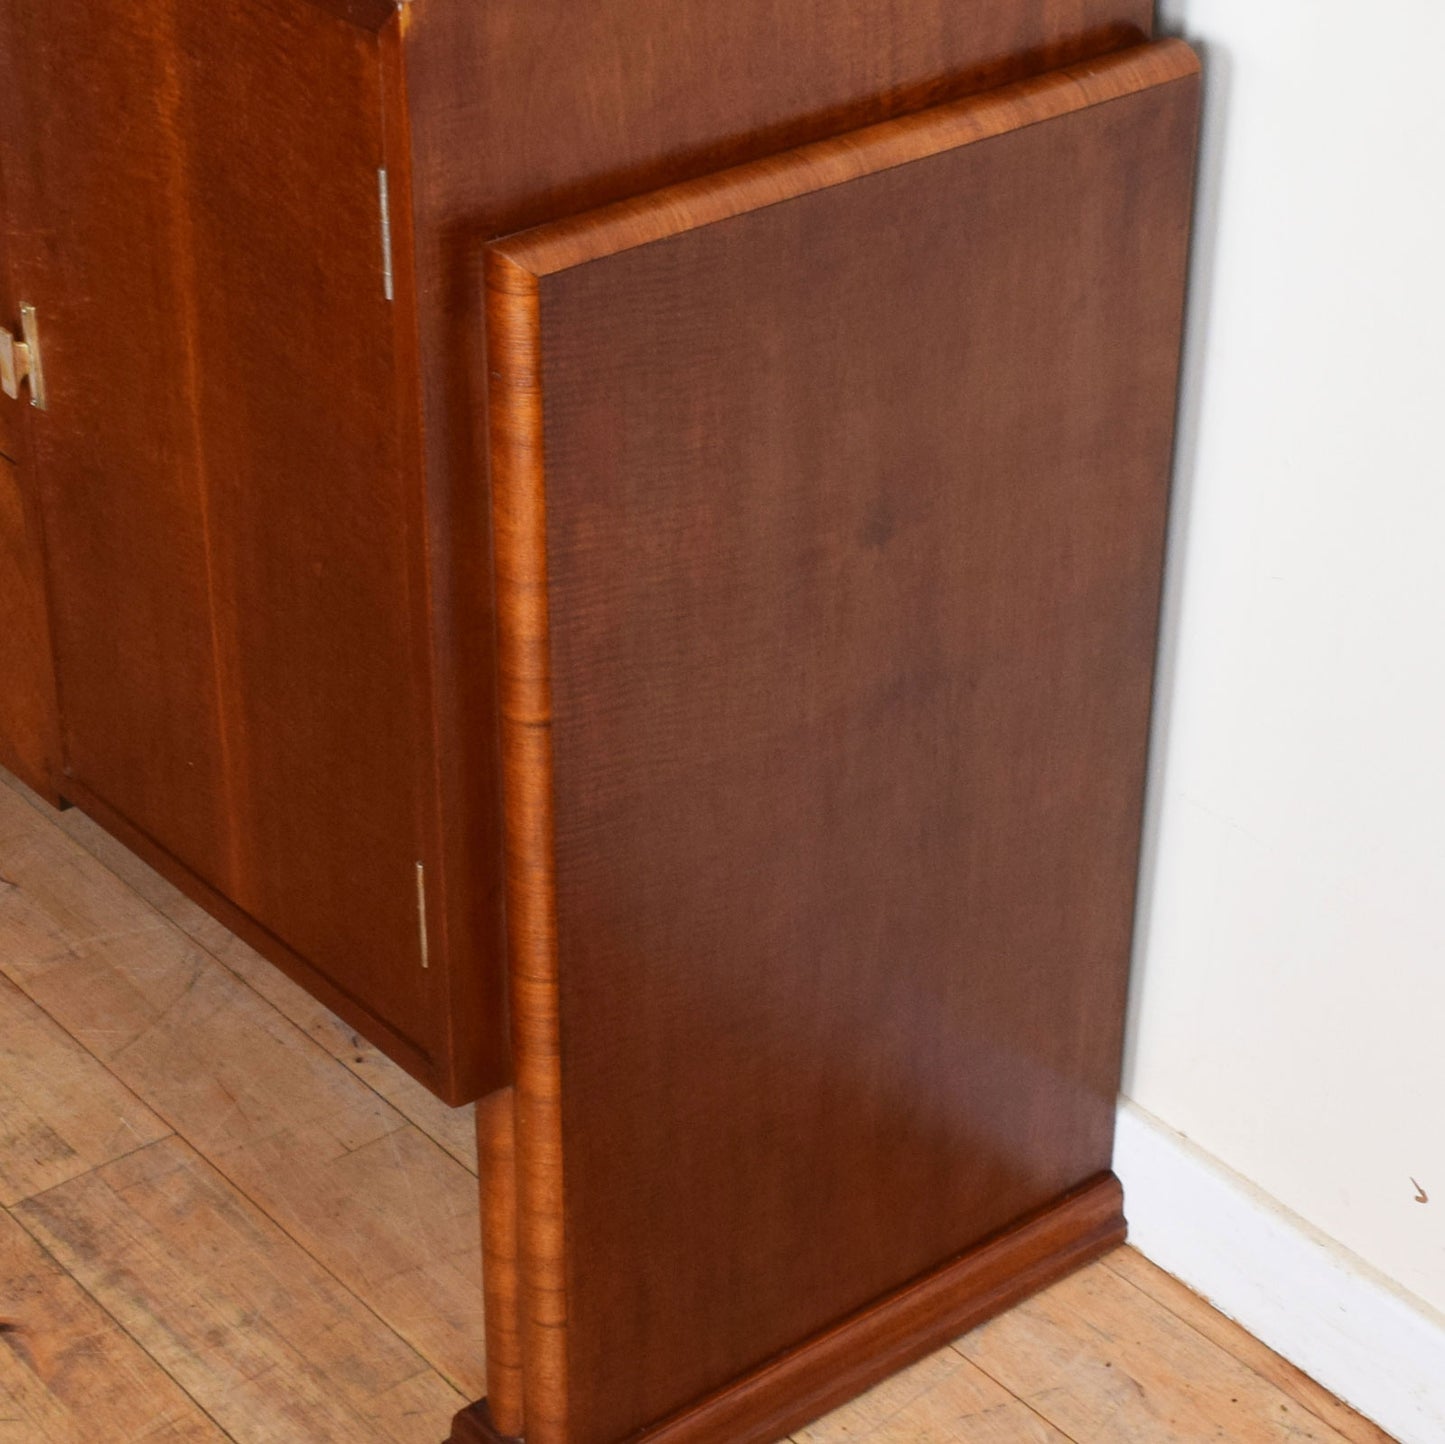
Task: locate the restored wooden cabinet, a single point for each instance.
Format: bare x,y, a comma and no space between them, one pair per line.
620,545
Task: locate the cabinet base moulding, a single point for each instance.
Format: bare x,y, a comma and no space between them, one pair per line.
833,1367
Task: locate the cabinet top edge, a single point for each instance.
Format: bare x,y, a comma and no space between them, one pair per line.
560,245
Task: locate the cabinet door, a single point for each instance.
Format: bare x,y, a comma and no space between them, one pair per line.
830,500
230,473
29,725
29,737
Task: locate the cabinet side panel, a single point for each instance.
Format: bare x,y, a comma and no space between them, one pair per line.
854,525
522,110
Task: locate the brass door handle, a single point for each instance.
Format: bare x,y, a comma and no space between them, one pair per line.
20,360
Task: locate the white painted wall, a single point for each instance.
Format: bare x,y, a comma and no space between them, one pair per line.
1289,1010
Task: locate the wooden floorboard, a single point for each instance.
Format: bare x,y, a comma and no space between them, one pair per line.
1186,1305
1101,1360
944,1398
222,1216
69,1374
62,1112
258,1333
452,1128
380,1205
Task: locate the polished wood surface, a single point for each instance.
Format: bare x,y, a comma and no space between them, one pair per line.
29,732
29,710
521,111
854,1354
622,96
828,540
1117,1354
497,1158
231,469
330,1242
369,14
678,672
265,485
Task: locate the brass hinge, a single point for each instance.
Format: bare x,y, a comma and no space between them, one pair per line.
388,279
20,360
421,914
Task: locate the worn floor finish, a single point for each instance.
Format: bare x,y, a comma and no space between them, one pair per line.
222,1216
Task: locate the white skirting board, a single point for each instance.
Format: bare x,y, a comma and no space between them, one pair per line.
1321,1307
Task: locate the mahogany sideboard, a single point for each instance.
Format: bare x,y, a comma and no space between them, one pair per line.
620,544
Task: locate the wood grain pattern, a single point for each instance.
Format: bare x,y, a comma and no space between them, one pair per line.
275,630
579,106
390,1215
11,411
29,719
526,715
942,1400
61,1112
829,521
501,1274
454,1129
237,528
1160,1384
69,1374
827,516
1238,1343
29,708
161,1226
128,470
628,95
824,1371
821,1372
368,14
276,611
689,205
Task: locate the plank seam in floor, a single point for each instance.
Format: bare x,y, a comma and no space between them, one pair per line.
1013,1394
104,1309
167,924
1162,1312
1237,1355
43,809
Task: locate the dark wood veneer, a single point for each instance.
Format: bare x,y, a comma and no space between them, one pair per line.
29,726
806,1381
230,471
620,545
829,508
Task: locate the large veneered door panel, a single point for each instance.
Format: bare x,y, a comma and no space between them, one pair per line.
830,518
229,464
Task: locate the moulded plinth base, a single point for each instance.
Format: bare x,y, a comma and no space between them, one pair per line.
839,1364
